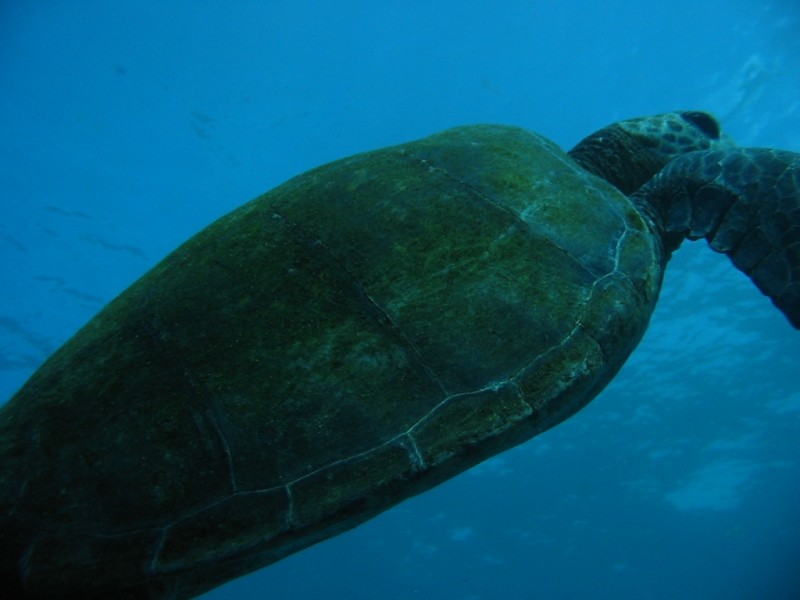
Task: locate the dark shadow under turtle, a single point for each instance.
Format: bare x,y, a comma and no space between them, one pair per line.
359,334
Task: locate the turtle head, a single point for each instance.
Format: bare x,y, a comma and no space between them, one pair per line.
628,153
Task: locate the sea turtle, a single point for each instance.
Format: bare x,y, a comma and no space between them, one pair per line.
358,335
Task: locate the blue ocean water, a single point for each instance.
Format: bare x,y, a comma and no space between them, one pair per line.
128,126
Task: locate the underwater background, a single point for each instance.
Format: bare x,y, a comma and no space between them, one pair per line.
128,126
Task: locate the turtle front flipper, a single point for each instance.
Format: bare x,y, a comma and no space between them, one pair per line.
746,203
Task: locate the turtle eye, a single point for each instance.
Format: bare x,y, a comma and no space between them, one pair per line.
704,122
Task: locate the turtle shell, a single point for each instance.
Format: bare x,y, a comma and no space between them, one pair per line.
353,337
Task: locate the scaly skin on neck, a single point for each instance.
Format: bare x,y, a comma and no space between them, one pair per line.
693,183
629,153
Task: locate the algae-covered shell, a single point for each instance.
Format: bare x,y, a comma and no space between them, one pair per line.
349,339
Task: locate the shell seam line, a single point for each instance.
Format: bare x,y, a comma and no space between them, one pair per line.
425,162
415,458
582,314
503,207
211,412
392,326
